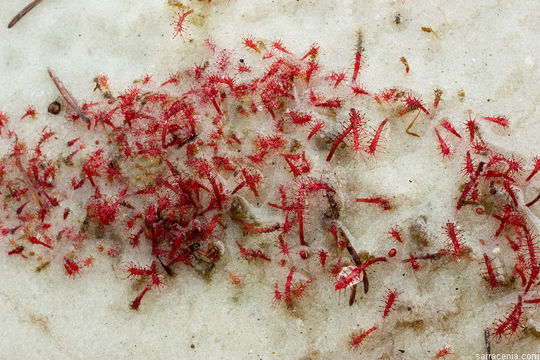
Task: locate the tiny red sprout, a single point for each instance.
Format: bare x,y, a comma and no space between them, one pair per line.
136,271
501,120
174,80
468,169
315,128
72,268
3,121
414,264
405,63
358,337
491,274
470,185
105,210
178,23
16,251
88,261
102,81
277,293
513,245
34,240
358,90
300,118
336,77
508,188
509,325
252,180
155,281
71,142
443,147
413,103
333,103
392,252
356,123
471,126
242,68
303,254
389,301
203,167
438,94
382,202
268,55
385,95
448,126
357,62
91,165
455,238
531,247
288,282
278,45
300,289
249,42
76,184
312,52
298,163
283,245
443,352
21,208
30,111
312,68
255,254
519,269
535,170
323,255
247,226
209,43
394,232
372,147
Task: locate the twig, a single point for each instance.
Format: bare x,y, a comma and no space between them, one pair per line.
411,124
67,96
23,12
488,343
531,203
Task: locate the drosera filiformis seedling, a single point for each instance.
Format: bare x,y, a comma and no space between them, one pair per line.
177,171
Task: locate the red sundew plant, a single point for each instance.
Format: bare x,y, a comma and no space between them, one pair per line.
389,301
500,120
394,233
30,111
448,126
179,23
355,128
455,239
511,324
443,146
535,169
357,338
187,158
492,279
445,351
376,200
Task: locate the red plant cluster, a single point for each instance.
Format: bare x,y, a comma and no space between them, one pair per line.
184,157
495,178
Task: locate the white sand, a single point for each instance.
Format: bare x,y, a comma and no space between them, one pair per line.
489,52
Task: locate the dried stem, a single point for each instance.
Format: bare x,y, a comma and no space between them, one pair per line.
23,12
411,124
67,96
